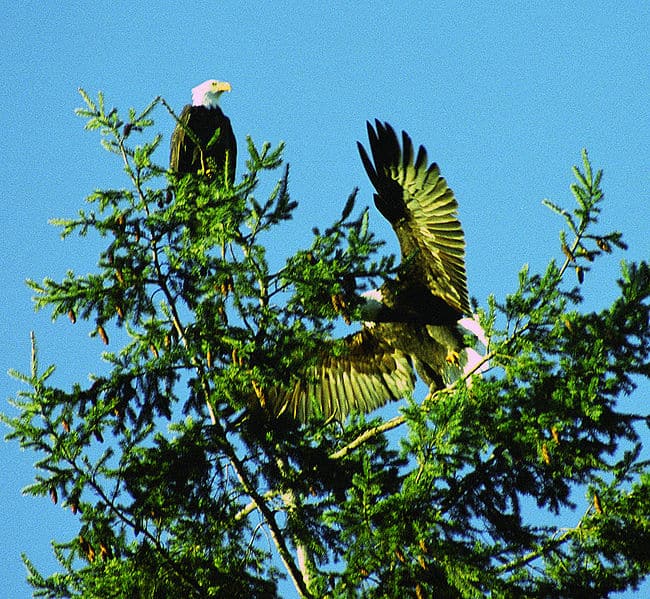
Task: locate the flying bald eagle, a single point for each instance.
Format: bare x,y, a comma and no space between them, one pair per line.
413,322
204,122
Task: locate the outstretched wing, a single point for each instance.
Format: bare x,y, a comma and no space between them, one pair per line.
370,374
422,210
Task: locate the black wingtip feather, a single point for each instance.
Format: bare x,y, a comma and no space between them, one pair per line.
407,151
422,159
385,151
367,164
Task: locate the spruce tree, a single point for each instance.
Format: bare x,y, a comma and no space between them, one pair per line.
527,480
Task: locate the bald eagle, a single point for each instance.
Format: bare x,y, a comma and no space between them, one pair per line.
204,122
413,322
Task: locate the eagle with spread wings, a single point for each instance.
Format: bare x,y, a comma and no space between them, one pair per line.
414,323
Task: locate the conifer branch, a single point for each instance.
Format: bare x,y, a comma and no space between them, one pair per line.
269,517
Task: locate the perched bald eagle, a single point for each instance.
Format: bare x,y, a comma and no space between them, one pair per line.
413,321
204,122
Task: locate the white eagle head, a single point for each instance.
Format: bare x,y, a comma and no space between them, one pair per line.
207,93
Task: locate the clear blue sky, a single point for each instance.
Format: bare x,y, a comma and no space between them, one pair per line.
504,98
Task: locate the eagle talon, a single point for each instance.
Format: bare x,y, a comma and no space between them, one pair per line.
453,358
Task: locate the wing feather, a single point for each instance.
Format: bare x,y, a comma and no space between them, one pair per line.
367,376
422,209
177,148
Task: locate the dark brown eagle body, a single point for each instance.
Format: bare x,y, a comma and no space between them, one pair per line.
216,151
